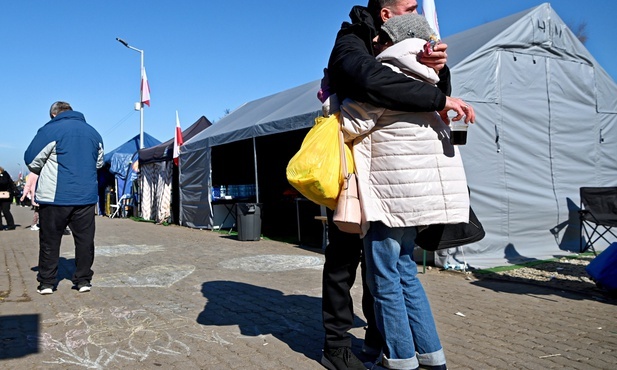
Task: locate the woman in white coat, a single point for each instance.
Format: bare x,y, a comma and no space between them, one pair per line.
409,176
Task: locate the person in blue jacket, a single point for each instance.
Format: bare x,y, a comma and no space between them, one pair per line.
66,153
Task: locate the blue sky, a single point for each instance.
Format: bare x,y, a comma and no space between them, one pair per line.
202,56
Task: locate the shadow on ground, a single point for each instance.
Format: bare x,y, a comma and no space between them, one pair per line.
18,335
293,319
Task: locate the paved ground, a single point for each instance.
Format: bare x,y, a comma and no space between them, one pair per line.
176,298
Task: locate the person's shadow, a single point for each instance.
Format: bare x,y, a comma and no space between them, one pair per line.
66,269
293,319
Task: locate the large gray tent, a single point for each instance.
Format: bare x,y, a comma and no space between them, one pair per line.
546,125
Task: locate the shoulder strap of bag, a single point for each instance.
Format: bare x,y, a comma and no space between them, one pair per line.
342,150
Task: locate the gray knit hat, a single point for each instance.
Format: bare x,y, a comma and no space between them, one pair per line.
406,26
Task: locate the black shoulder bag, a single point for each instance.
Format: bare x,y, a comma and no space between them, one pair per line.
440,236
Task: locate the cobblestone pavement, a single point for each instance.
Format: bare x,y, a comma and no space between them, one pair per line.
178,298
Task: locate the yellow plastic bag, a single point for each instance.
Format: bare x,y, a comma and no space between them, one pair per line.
315,170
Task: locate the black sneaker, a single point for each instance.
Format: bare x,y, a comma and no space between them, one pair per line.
84,287
433,367
369,353
376,366
341,359
45,289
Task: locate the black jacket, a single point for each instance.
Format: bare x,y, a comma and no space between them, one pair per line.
7,184
355,73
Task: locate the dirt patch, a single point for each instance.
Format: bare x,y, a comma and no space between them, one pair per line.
565,273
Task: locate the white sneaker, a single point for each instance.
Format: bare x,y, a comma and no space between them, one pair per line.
45,289
83,288
34,228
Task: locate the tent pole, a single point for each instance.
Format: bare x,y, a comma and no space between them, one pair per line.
255,161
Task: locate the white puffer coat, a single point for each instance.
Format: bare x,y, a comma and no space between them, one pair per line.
408,172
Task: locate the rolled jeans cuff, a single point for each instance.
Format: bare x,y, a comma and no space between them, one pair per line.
400,363
436,358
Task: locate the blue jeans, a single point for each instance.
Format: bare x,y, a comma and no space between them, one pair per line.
402,310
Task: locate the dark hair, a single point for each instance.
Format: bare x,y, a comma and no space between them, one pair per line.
59,107
374,7
383,37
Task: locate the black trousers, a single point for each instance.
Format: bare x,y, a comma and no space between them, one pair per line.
343,255
5,208
53,220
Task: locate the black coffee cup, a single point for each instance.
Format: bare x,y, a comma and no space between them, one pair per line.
458,133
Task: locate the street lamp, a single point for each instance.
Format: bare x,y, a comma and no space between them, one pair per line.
140,104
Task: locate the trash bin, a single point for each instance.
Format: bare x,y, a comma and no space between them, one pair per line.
248,218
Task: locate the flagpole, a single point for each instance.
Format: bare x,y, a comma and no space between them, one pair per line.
141,103
141,106
430,13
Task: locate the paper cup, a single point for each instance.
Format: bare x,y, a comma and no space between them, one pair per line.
458,133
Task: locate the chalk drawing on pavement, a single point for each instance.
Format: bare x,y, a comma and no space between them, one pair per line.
273,263
212,337
161,276
101,337
122,250
152,276
164,307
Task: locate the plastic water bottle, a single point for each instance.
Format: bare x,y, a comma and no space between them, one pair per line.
223,191
455,267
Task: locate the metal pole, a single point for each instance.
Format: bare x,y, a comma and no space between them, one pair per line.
256,181
141,105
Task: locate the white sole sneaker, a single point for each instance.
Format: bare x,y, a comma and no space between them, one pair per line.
85,288
45,290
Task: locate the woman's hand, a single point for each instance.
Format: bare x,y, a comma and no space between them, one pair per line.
437,59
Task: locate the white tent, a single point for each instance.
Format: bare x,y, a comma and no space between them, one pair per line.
159,177
546,125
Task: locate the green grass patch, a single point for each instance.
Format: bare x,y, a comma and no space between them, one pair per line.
530,264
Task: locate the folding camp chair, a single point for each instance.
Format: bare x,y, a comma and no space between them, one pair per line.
598,212
120,207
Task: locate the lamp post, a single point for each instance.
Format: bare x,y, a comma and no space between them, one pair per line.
141,104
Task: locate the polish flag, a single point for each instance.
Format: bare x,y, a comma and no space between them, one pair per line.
177,141
145,88
430,13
